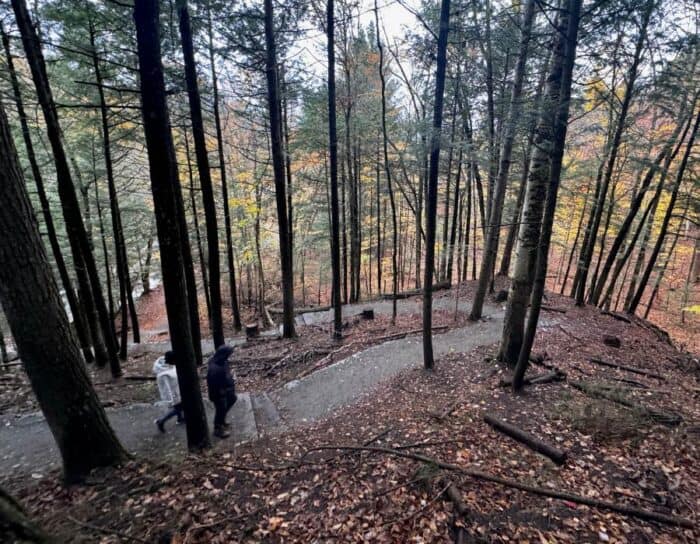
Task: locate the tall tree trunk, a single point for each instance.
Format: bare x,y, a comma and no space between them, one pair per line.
587,251
169,212
278,169
387,170
535,196
448,180
635,205
431,194
105,251
667,219
456,215
88,277
197,234
224,184
379,224
75,308
343,217
333,154
567,37
146,267
200,149
49,351
499,190
467,224
125,290
576,238
527,155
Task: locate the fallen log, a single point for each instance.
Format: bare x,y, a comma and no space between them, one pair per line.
139,378
439,286
461,511
666,418
632,369
298,311
631,511
616,315
531,441
553,309
397,335
555,376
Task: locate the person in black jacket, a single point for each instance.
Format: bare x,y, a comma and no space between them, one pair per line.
222,388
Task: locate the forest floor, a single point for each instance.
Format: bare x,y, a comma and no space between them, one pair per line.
623,441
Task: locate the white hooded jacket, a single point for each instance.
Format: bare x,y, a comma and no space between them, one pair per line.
166,378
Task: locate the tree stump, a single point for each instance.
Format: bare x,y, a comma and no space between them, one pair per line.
368,313
612,341
252,331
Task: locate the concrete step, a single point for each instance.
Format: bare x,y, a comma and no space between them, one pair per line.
242,419
267,417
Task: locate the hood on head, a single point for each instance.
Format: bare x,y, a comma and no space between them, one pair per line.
222,354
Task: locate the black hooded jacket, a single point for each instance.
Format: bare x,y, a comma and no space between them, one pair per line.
220,382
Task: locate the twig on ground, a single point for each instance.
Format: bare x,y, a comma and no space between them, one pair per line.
105,530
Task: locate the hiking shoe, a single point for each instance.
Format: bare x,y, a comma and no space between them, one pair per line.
220,432
160,424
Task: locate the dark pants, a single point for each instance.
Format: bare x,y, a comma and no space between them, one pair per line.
221,407
176,410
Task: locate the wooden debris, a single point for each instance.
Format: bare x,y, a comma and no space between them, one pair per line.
397,335
439,286
553,309
632,369
666,418
460,512
555,376
617,315
531,441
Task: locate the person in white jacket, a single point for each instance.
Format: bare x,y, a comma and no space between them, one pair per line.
169,389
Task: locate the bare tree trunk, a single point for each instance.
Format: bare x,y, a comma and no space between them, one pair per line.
224,185
431,194
333,154
387,170
567,37
456,215
278,168
200,148
126,299
197,234
533,210
169,212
